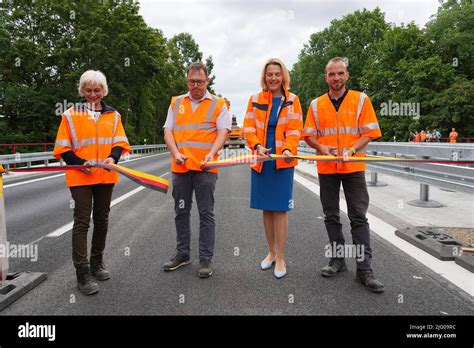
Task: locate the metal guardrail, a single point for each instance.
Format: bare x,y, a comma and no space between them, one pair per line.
47,157
424,150
450,177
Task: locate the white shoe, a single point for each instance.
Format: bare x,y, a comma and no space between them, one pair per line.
267,264
279,274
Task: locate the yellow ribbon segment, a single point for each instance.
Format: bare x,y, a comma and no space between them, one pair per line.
311,157
142,174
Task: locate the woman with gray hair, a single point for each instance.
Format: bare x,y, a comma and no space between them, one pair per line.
91,132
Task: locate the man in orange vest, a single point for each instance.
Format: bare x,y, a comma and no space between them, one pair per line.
341,123
195,130
417,137
423,136
453,136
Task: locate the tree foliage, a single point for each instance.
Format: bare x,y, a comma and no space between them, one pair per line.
350,37
47,45
428,67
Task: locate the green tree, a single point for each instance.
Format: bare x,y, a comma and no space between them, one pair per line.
401,71
450,35
400,64
47,45
351,37
184,50
416,66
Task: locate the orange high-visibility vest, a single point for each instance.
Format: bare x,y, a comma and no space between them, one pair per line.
92,141
288,129
355,118
417,137
423,136
453,137
194,131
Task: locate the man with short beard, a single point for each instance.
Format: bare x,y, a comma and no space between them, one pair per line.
341,123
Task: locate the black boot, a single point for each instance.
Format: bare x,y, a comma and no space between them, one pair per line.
98,269
84,281
367,278
336,265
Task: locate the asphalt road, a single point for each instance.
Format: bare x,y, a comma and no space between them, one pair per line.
142,237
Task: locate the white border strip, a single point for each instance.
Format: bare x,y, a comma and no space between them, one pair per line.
58,175
68,227
449,270
33,180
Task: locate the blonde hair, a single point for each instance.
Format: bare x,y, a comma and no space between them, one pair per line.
93,76
284,70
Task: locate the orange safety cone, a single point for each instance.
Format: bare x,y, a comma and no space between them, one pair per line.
3,235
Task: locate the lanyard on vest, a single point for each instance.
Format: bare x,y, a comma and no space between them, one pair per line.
282,102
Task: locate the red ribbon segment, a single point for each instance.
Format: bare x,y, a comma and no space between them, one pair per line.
150,181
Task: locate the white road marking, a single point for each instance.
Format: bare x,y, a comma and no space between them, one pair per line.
33,180
58,175
61,230
68,227
449,270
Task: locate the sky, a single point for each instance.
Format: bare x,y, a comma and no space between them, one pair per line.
242,34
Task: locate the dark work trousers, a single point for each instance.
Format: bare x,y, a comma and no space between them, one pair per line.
87,199
203,184
357,198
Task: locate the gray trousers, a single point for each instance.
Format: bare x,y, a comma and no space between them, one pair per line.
203,184
357,198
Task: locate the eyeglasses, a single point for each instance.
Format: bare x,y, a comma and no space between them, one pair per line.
196,82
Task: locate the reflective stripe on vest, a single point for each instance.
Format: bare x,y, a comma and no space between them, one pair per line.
260,124
279,143
201,126
63,143
194,144
369,126
342,130
314,107
294,132
116,120
360,105
249,115
282,121
177,104
310,131
75,140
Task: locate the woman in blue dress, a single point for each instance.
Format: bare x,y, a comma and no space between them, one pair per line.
273,125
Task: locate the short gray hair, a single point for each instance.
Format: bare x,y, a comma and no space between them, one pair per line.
337,60
197,66
93,76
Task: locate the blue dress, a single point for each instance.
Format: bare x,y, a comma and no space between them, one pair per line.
272,189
